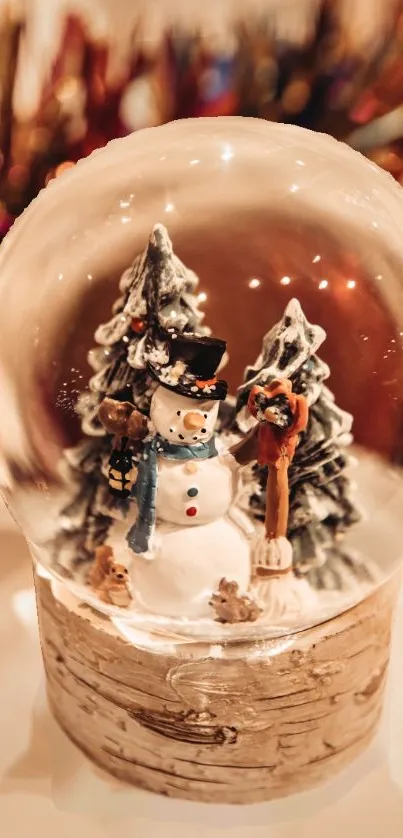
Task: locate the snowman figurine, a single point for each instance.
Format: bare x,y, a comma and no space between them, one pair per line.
188,535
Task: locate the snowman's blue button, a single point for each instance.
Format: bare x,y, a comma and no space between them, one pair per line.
192,492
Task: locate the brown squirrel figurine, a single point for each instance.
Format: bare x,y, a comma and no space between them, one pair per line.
109,579
232,608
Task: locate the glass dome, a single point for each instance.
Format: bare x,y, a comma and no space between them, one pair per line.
263,214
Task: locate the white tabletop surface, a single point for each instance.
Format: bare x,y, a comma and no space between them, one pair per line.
48,790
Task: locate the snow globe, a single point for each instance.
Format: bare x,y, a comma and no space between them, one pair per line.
202,384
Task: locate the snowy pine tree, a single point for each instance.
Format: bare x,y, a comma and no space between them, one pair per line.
321,507
156,292
85,520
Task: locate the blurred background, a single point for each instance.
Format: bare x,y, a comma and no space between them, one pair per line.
73,75
76,73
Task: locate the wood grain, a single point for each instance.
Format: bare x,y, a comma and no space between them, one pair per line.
245,727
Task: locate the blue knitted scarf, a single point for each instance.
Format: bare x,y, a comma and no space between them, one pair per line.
145,488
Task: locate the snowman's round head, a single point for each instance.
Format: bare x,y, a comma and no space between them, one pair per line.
182,420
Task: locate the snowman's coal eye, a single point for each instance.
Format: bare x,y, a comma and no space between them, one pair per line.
205,415
178,412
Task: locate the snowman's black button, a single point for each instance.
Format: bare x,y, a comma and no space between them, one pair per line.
192,492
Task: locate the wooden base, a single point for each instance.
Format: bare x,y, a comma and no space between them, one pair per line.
242,727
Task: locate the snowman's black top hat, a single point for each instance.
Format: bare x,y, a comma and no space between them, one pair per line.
187,364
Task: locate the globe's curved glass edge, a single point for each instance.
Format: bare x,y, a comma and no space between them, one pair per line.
335,186
305,204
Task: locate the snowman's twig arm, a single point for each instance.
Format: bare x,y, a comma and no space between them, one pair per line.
246,450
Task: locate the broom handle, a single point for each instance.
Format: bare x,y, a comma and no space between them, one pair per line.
277,499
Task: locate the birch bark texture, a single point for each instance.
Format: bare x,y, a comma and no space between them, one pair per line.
231,724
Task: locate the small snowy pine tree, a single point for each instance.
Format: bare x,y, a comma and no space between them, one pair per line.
156,292
321,507
84,521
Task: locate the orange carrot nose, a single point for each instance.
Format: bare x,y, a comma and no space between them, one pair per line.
193,421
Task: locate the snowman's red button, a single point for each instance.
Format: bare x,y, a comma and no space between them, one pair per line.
191,511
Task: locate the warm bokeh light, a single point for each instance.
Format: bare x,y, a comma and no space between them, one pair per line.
64,167
70,86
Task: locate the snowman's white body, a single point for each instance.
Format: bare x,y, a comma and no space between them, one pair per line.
190,553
